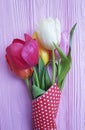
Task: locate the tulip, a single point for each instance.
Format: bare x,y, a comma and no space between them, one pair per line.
64,44
44,53
49,31
21,56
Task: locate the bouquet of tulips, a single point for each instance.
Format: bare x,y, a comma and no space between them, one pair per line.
43,61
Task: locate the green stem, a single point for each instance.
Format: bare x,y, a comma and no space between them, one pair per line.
36,76
53,66
28,86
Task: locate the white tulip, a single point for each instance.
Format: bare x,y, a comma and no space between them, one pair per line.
49,31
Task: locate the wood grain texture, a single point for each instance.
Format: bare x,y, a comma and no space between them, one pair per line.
21,16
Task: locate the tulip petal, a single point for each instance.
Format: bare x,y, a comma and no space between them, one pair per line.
9,63
18,41
49,31
43,52
64,44
22,73
30,53
14,54
27,37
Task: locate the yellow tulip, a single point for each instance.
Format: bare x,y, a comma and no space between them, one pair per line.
44,53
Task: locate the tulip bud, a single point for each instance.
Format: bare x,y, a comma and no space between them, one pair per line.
64,44
49,31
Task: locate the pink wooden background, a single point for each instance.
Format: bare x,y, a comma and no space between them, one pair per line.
18,17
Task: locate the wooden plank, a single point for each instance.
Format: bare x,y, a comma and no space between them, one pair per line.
21,16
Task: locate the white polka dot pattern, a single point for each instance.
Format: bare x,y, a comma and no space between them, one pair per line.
44,109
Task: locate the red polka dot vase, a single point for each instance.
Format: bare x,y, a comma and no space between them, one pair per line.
45,108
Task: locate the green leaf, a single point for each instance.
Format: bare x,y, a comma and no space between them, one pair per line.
53,67
59,69
59,66
56,69
43,81
35,77
61,53
40,69
47,80
37,91
65,61
63,65
63,72
71,33
62,84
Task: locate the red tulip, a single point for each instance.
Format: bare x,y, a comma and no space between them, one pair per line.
22,56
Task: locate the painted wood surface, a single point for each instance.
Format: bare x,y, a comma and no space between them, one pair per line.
21,16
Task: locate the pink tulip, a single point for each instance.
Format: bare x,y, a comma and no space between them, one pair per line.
23,54
64,44
30,52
